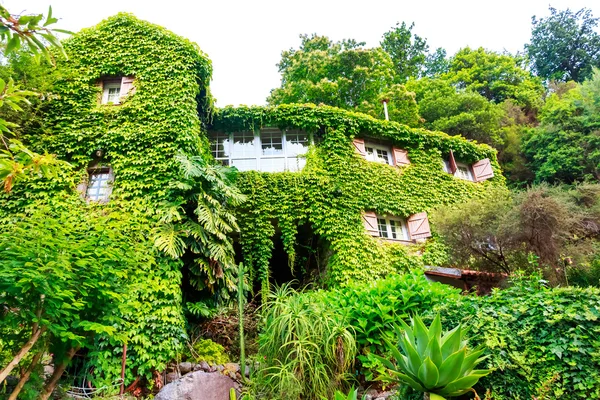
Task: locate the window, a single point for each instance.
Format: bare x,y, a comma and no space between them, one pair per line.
463,171
111,92
267,149
114,89
99,184
392,228
378,153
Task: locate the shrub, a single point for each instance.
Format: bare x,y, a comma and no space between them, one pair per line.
541,342
308,349
206,350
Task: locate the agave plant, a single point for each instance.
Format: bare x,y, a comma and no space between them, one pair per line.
437,364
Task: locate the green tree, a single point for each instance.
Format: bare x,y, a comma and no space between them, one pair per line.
565,147
497,77
564,46
436,63
407,50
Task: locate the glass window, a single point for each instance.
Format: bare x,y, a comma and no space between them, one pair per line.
99,185
392,228
463,171
243,145
111,93
268,150
378,153
271,142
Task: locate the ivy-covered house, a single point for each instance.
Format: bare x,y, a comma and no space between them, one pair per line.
350,192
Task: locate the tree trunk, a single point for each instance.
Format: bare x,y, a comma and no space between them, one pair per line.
25,376
22,353
58,371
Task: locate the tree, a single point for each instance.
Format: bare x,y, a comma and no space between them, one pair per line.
497,77
565,147
543,227
15,31
564,46
407,50
340,74
436,63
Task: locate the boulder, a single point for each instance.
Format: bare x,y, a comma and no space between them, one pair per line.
185,367
198,385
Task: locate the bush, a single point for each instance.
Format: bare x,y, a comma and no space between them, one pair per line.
541,342
372,309
308,349
206,350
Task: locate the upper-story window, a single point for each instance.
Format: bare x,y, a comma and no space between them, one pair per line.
392,228
477,172
267,149
381,152
114,89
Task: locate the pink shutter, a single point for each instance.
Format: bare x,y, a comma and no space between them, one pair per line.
127,86
82,188
418,226
400,157
370,222
482,170
359,145
452,163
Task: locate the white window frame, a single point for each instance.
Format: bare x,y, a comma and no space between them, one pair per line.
108,182
372,156
404,235
458,173
106,86
293,163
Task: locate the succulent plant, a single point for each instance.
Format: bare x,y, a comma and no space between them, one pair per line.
432,362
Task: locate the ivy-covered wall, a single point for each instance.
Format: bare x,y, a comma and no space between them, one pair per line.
337,184
139,138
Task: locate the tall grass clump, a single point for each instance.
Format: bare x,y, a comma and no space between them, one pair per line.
307,350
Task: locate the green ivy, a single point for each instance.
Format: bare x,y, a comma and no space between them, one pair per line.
337,185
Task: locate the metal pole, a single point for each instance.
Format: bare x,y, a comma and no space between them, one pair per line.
385,111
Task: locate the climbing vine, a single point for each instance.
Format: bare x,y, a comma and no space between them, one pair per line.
337,185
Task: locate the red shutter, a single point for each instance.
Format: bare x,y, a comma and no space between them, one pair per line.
127,85
359,145
370,222
400,157
452,163
482,170
418,226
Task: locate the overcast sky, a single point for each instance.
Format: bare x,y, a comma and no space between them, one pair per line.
244,38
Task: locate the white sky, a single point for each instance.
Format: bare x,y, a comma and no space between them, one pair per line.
244,38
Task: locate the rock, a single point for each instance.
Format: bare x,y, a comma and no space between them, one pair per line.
232,367
204,366
172,376
198,385
219,368
196,367
185,367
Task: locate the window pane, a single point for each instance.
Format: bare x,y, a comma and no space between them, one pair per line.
219,145
98,186
271,142
393,229
382,226
272,164
464,173
243,145
383,156
113,95
296,142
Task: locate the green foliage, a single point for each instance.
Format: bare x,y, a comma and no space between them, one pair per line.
432,361
308,349
372,309
565,147
565,45
540,342
336,185
407,51
206,350
352,395
497,77
501,231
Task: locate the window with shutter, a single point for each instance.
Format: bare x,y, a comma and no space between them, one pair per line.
359,146
418,226
385,226
482,170
115,89
458,169
127,87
